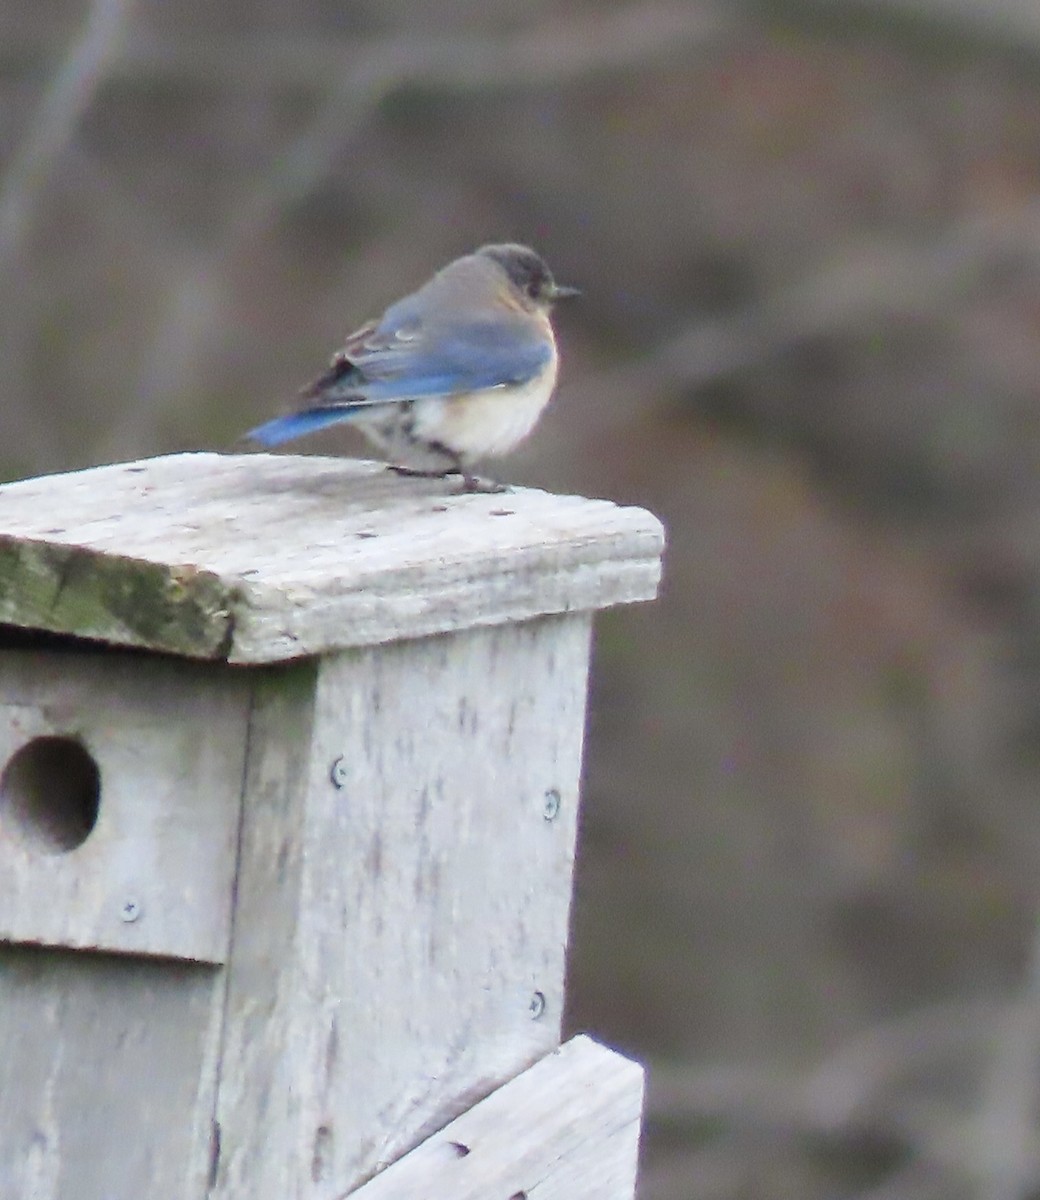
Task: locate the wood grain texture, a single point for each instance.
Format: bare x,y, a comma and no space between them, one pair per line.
566,1129
169,740
261,558
399,940
261,1089
107,1075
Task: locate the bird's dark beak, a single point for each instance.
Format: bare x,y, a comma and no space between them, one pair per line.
561,292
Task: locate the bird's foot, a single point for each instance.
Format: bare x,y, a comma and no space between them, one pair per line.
470,483
416,473
475,483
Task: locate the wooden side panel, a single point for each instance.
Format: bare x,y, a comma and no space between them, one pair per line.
261,1088
155,874
432,843
566,1129
107,1072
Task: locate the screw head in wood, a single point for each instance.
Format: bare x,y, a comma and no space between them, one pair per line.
130,911
338,772
536,1005
551,804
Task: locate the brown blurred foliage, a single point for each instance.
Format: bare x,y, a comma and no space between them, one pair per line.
809,240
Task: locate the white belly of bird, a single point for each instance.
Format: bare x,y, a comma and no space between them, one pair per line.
485,424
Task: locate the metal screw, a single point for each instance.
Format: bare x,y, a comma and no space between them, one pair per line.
130,911
551,805
338,772
536,1005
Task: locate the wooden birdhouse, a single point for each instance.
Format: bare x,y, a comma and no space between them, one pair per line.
289,764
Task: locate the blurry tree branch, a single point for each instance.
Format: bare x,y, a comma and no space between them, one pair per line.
67,98
852,290
1005,1134
554,53
870,1087
53,130
354,81
882,278
1013,22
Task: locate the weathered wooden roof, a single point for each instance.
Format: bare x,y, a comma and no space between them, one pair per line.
261,558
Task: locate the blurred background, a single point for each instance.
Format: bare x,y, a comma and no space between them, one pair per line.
808,235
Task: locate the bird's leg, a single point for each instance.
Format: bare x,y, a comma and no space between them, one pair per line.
454,466
470,483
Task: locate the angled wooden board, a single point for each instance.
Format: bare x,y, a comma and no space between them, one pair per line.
566,1129
262,558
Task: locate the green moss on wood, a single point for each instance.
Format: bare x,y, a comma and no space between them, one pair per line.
66,589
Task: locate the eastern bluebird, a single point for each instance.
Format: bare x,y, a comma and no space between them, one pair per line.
458,371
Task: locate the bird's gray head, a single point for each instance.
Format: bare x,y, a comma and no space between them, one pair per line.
528,273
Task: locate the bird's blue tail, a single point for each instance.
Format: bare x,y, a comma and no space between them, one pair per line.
294,425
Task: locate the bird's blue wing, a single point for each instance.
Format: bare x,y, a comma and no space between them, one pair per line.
420,349
469,357
449,358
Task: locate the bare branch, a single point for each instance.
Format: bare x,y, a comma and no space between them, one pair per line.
554,53
884,278
1004,1137
1016,22
69,96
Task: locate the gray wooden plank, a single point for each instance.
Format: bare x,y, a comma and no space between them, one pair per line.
259,1088
168,738
415,916
261,558
107,1073
566,1129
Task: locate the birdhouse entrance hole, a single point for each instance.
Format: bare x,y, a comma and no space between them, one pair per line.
50,792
